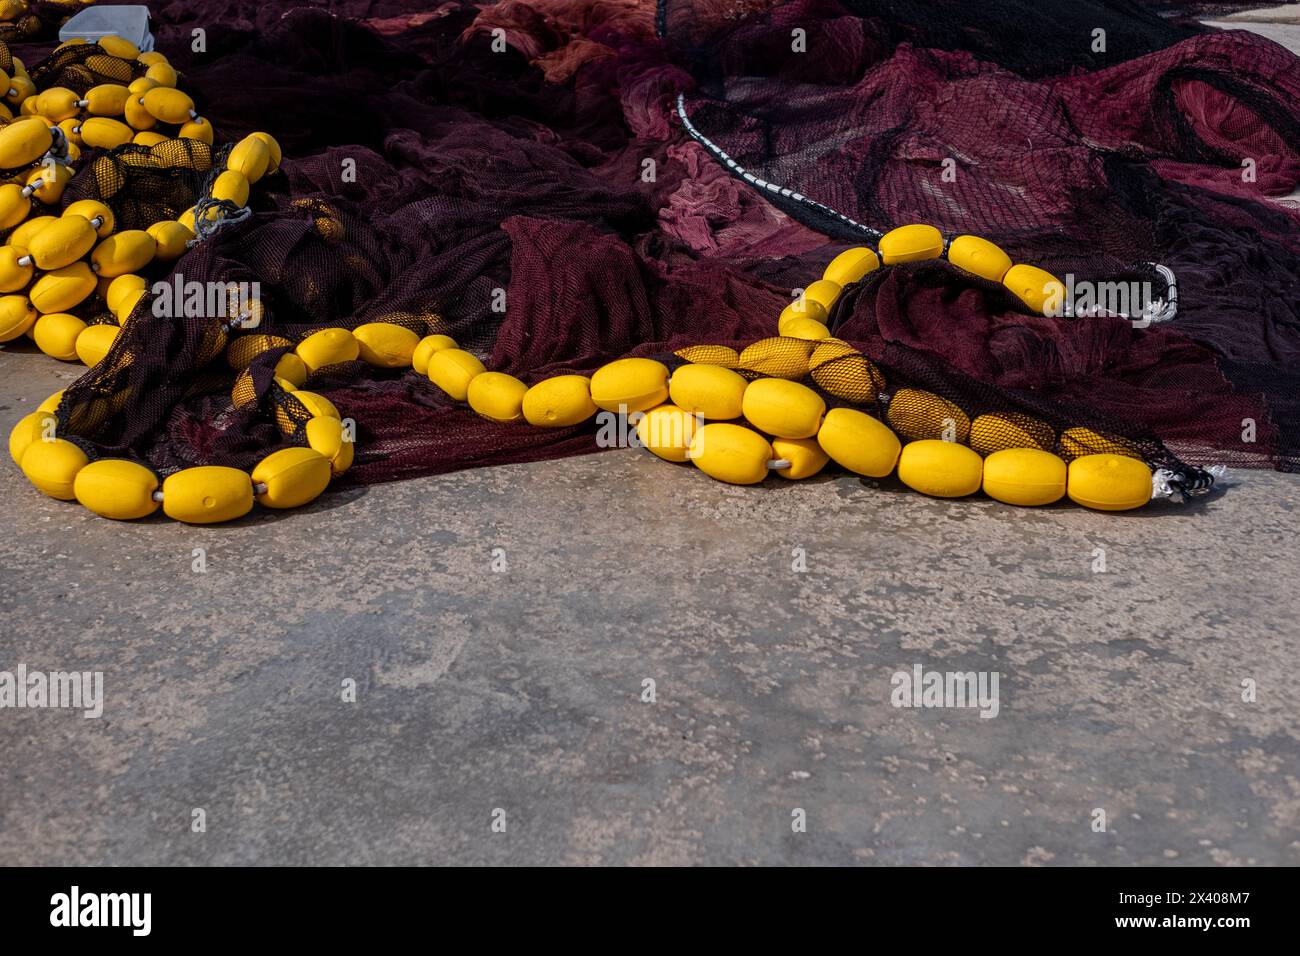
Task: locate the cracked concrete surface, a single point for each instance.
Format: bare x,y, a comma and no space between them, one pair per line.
521,691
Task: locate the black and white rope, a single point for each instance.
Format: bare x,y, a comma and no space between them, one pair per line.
741,173
1160,310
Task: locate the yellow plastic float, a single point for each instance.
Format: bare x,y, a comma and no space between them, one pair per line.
941,469
559,402
386,345
979,257
115,488
1109,482
798,458
452,370
425,348
497,396
910,243
1024,476
858,442
782,408
629,385
711,391
731,453
667,431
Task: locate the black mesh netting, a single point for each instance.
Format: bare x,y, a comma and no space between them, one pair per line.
80,66
544,205
38,20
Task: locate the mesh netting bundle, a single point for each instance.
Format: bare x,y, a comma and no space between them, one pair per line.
26,21
545,205
81,66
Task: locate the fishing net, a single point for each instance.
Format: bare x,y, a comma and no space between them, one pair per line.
24,22
548,182
82,66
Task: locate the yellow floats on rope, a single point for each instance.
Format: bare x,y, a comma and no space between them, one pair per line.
1036,288
787,430
691,414
55,263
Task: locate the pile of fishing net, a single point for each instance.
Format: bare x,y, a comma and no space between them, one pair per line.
25,21
555,185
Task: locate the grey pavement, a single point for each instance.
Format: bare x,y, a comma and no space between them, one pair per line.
519,695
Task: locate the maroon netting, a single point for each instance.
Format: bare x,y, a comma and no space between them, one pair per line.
558,172
977,119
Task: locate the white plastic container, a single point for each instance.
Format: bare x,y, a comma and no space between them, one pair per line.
129,23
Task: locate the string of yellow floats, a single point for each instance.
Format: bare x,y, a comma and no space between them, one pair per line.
51,265
789,429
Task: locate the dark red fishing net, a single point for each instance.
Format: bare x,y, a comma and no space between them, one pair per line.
534,194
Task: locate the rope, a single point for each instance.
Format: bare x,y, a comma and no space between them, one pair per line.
205,228
1187,482
740,172
58,150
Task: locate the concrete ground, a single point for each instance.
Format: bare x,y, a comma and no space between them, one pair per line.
517,695
1279,23
501,716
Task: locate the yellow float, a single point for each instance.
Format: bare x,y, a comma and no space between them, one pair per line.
497,396
1024,476
667,431
940,469
782,408
731,453
559,402
630,385
712,391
